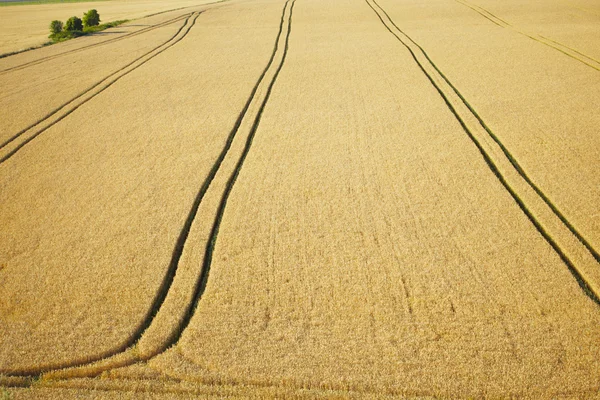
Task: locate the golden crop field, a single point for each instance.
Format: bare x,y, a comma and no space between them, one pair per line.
303,199
26,26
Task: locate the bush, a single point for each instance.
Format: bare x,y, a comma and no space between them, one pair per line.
91,18
64,35
73,24
56,26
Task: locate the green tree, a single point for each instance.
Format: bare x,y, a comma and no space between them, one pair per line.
56,27
74,24
91,18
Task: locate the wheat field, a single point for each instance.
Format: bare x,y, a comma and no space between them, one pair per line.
26,26
304,199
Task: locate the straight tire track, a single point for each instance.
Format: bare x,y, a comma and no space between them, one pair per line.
113,40
587,274
566,50
66,111
505,150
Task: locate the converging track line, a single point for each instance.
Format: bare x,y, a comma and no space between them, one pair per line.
113,40
181,241
201,284
118,74
503,148
566,50
582,277
33,373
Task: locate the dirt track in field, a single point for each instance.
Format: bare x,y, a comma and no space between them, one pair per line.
306,198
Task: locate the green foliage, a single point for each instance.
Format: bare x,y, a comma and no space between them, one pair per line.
101,27
68,34
56,26
91,18
64,35
73,24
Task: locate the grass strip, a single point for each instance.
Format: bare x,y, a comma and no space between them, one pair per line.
35,2
12,53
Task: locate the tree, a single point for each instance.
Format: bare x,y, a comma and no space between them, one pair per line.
91,18
56,27
74,24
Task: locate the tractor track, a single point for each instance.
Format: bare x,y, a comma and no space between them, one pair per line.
566,50
508,154
203,279
29,379
64,110
80,368
192,388
201,283
35,373
108,41
507,168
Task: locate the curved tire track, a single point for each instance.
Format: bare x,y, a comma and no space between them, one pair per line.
588,276
63,111
36,372
79,369
199,288
203,279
